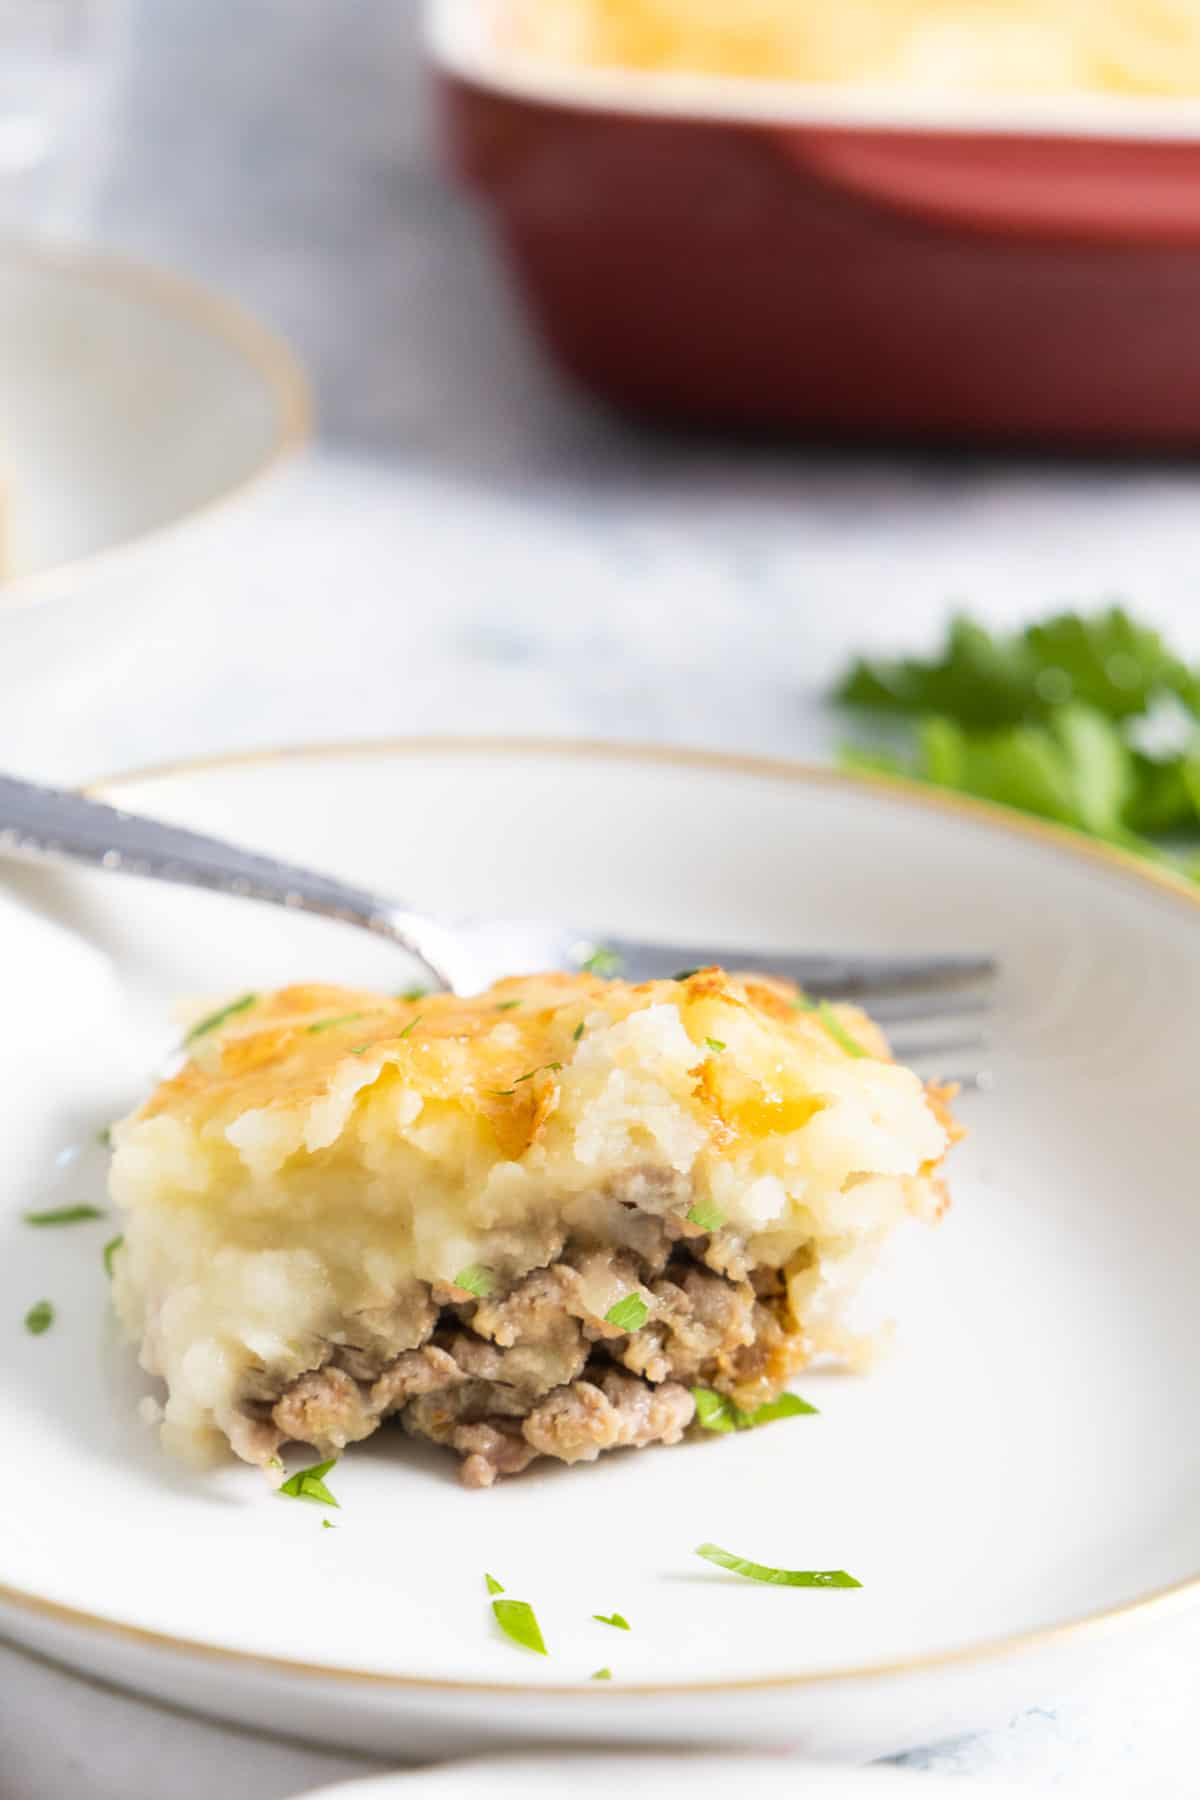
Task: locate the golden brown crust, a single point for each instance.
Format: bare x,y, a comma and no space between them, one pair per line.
498,1055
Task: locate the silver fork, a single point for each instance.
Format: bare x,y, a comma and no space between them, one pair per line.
466,955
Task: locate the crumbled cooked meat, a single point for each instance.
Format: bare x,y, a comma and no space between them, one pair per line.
426,1371
726,1254
529,1370
534,1370
377,1334
576,1423
327,1408
490,1449
533,1312
759,1369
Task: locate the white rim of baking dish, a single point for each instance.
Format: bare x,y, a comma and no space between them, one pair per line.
462,40
1158,1603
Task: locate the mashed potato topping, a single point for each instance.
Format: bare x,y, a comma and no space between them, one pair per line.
347,1206
1001,46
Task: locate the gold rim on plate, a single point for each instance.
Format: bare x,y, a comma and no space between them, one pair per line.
1058,838
210,314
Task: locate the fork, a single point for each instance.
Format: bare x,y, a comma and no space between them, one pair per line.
466,955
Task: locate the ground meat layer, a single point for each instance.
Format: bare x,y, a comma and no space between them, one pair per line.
534,1371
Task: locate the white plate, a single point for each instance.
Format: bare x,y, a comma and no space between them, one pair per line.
1025,1461
131,402
599,1775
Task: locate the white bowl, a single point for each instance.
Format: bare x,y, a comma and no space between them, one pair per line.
132,404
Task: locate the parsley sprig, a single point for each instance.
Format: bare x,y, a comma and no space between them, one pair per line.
717,1412
550,1068
1090,721
309,1484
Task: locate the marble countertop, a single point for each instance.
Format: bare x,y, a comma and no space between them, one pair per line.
474,548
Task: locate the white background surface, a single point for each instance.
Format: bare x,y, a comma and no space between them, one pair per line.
474,549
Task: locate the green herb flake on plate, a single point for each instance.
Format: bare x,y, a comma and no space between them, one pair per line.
754,1571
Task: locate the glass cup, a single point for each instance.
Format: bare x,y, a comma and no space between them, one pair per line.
54,55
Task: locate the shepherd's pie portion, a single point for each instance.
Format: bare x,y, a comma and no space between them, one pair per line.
524,1224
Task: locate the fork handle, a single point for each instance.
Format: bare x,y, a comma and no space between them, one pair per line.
56,825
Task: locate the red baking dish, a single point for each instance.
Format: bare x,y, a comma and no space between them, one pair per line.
766,256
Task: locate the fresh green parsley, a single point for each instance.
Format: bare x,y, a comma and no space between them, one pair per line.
413,993
837,1030
63,1215
988,680
411,1026
328,1524
219,1017
628,1314
602,1675
832,1024
476,1279
309,1484
1091,722
518,1622
342,1019
685,974
717,1412
109,1253
506,1005
753,1571
715,1045
578,1032
616,1619
39,1318
545,1069
360,1049
602,962
494,1586
706,1215
104,1137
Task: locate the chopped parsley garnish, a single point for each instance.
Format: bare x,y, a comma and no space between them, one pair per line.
413,993
494,1586
706,1215
617,1620
342,1019
715,1045
63,1215
685,974
411,1026
104,1137
601,1675
218,1018
838,1032
628,1314
476,1279
328,1524
831,1022
110,1251
518,1622
545,1069
360,1049
601,962
309,1484
39,1318
717,1412
753,1571
578,1032
506,1005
